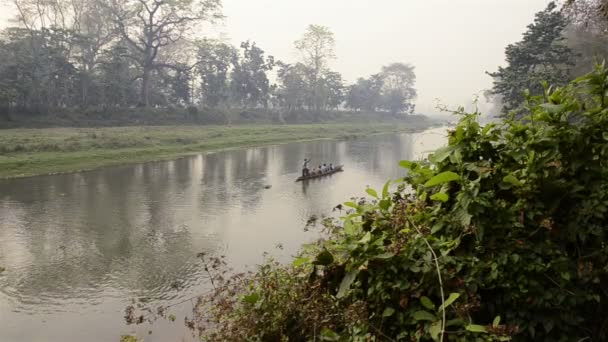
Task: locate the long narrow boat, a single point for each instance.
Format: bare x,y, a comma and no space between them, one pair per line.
338,168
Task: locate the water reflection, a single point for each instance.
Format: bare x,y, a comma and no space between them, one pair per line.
78,247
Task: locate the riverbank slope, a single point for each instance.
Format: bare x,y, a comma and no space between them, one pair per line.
31,152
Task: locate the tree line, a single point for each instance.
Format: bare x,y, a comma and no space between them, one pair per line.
113,54
562,43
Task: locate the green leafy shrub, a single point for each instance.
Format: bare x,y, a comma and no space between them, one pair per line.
501,235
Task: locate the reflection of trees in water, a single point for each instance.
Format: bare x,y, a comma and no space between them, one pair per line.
380,155
82,231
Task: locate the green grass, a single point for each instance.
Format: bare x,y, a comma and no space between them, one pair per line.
30,152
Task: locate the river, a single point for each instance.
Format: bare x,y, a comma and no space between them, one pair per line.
79,247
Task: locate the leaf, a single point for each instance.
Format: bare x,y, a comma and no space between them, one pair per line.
435,330
366,238
386,255
329,335
476,328
449,301
385,204
463,216
385,192
510,179
423,316
300,261
351,204
372,192
324,258
427,303
553,108
486,129
437,227
251,298
440,196
454,322
388,312
456,157
441,154
406,164
346,283
349,227
442,178
496,321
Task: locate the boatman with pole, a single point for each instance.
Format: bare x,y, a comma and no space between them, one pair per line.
305,171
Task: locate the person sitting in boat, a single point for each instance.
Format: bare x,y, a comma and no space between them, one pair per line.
324,167
331,167
305,171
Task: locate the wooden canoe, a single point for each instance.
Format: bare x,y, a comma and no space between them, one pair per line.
338,168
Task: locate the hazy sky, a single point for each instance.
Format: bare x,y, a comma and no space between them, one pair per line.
451,42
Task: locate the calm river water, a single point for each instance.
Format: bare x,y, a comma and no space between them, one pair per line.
79,247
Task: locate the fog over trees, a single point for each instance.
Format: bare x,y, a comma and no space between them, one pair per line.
562,43
105,56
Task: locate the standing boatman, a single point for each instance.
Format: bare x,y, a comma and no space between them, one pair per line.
305,170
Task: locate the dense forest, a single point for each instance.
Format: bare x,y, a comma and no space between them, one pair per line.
95,57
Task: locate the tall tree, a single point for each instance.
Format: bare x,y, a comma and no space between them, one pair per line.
116,74
292,92
398,92
540,56
149,26
589,15
317,50
82,23
214,59
365,94
333,89
249,80
586,34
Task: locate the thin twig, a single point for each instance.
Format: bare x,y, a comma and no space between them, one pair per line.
558,285
438,275
381,333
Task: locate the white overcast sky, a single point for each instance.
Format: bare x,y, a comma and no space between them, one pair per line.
452,43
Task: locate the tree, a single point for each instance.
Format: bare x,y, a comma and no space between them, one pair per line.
332,87
540,56
365,94
38,74
317,49
214,59
249,82
586,34
589,15
85,29
149,26
398,92
116,74
293,89
178,84
589,11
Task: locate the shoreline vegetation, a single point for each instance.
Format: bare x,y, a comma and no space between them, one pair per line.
34,152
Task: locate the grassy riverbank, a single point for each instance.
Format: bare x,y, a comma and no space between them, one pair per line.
30,152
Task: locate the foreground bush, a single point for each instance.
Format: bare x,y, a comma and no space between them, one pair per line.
500,236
